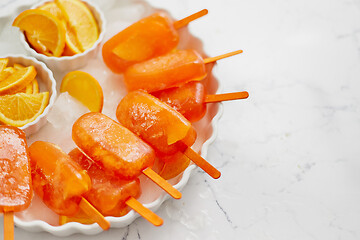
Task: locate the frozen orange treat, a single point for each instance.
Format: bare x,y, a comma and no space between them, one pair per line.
145,39
150,37
155,122
57,180
15,174
108,194
112,146
158,124
189,100
166,71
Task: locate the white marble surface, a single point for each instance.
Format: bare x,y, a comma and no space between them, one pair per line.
288,154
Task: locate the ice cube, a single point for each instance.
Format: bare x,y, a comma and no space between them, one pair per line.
65,111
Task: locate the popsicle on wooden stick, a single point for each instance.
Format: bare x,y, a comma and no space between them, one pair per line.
116,149
170,70
110,195
150,37
15,176
190,99
60,182
158,124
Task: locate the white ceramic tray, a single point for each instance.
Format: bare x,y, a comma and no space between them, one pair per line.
118,14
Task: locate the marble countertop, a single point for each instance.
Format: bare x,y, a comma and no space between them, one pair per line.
288,153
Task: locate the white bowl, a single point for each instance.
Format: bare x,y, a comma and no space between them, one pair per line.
68,63
46,83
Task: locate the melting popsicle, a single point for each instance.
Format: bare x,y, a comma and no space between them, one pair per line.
60,182
15,176
109,194
170,70
150,37
158,124
116,149
190,99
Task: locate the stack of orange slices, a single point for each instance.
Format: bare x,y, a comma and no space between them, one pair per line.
20,99
59,28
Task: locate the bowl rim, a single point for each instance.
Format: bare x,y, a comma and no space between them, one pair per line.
52,89
101,25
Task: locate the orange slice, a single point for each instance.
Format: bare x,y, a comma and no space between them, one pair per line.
28,89
35,86
71,43
22,108
80,217
5,73
18,80
3,63
84,88
32,87
52,8
18,66
81,21
44,32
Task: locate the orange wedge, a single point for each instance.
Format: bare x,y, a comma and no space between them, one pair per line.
35,86
6,72
44,32
32,87
17,80
18,66
81,21
3,63
52,8
22,108
84,88
28,89
80,217
71,43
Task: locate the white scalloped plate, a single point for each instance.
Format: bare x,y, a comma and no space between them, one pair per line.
118,14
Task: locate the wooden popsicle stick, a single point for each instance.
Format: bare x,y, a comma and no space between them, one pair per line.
94,214
202,163
214,59
8,225
185,21
226,97
144,212
156,178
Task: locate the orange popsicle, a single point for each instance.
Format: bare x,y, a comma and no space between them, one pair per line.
170,70
112,146
150,37
107,193
155,122
15,176
191,98
110,195
165,129
188,100
60,182
116,149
